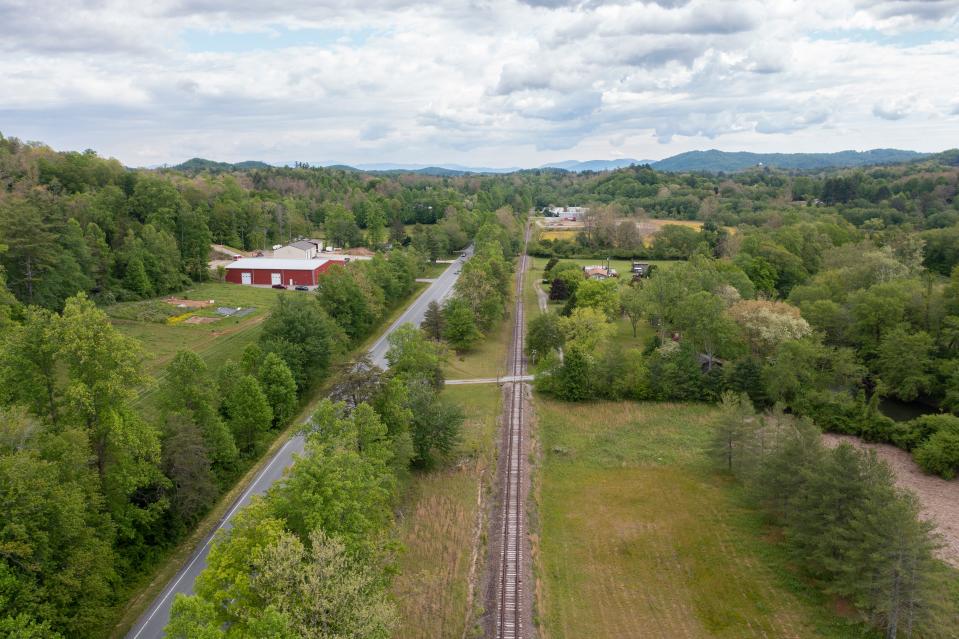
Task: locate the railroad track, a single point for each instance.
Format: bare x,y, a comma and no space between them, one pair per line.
512,615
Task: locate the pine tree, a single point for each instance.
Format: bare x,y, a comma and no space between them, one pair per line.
734,435
135,278
433,323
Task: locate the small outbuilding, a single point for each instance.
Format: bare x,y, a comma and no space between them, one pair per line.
300,250
599,272
265,271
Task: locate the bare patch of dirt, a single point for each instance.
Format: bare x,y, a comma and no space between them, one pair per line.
196,319
182,303
844,608
939,498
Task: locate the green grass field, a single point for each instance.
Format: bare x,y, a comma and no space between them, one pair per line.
441,526
638,536
434,270
215,342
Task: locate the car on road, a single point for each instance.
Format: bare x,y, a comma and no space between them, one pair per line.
279,286
302,288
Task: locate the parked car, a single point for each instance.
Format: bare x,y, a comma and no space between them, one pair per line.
279,286
302,288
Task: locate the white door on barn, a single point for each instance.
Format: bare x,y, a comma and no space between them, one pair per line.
247,278
276,278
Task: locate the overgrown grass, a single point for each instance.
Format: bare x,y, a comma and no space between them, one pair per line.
439,516
486,359
638,534
434,270
215,342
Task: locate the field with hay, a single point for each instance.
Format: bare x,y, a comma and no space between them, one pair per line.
647,228
442,528
639,537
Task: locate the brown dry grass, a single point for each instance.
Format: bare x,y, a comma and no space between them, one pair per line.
439,520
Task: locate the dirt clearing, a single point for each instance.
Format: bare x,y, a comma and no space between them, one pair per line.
939,498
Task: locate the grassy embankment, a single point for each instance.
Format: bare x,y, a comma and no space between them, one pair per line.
161,341
442,524
434,270
638,532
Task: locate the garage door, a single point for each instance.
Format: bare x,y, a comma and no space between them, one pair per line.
276,278
247,278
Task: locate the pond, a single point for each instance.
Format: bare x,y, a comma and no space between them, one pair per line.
901,411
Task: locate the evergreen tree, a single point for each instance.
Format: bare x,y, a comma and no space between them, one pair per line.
186,461
433,323
135,277
734,436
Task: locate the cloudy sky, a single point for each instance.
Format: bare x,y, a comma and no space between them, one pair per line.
477,82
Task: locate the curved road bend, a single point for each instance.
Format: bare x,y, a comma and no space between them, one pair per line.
151,623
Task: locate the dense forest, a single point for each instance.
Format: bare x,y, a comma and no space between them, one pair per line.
816,294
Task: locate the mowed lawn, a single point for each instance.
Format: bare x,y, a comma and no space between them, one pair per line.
441,526
639,537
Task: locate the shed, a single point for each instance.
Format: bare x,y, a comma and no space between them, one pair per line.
299,250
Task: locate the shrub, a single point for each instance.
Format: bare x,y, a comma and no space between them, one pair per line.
940,453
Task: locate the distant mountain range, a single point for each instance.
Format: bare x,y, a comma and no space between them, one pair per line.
709,161
714,160
200,164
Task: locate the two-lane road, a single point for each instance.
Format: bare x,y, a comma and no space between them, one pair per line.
151,624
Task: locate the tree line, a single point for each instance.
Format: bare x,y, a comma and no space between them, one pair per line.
481,294
94,489
74,222
845,523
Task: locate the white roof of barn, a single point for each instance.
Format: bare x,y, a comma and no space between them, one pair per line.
270,263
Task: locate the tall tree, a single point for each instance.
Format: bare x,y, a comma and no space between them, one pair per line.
187,389
300,331
103,371
279,387
633,304
460,325
250,413
433,322
28,364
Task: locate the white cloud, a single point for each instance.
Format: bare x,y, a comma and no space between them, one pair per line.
493,83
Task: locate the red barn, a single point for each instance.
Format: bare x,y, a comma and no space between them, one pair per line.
265,271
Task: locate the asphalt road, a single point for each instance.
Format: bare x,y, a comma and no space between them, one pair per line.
150,625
